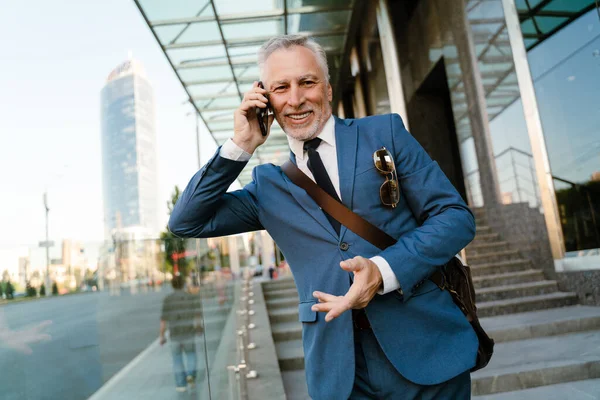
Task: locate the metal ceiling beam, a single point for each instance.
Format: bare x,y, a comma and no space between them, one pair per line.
212,3
241,80
251,16
216,63
247,41
214,96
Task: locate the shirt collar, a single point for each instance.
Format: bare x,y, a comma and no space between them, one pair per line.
327,135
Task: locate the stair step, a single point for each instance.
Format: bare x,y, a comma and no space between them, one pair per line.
279,315
515,290
280,294
542,323
282,302
294,383
482,229
290,354
487,247
286,331
486,237
524,304
500,267
537,362
496,256
580,390
285,283
508,278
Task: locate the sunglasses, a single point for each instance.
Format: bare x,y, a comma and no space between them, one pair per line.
389,192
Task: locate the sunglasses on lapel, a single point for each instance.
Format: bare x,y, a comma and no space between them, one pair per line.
389,192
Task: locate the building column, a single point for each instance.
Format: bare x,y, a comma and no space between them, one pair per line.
475,94
267,252
234,255
535,130
391,63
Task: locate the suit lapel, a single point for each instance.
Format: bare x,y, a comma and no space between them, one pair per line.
346,142
308,203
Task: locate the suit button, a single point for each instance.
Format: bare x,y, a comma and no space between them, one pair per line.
344,246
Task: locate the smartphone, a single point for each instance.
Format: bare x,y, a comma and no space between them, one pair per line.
263,113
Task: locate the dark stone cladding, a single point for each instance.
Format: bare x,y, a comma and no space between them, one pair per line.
585,283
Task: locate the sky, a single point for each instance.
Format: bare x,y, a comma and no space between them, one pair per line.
55,57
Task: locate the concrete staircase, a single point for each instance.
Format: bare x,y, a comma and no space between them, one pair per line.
544,339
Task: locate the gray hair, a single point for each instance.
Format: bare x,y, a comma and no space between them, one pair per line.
287,41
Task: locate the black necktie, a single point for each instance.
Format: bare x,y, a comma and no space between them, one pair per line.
315,165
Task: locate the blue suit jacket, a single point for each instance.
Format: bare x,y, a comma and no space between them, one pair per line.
424,335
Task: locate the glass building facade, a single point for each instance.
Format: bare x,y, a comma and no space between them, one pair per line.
129,151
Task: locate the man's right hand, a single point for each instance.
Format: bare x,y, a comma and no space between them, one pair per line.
246,131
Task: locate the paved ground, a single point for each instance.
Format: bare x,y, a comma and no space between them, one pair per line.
93,336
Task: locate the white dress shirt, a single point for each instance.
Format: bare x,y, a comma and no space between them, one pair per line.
328,152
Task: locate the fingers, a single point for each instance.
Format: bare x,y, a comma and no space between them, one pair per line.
323,297
353,264
255,97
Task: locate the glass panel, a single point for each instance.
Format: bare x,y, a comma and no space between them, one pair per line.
161,10
233,102
244,30
567,5
221,125
331,43
204,73
167,34
319,22
546,24
247,71
243,50
225,7
213,89
521,5
196,54
200,32
104,310
527,27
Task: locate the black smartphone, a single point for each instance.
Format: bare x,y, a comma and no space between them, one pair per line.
263,113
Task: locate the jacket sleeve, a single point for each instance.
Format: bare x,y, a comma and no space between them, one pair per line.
446,224
206,209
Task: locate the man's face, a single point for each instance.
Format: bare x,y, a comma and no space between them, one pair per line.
298,91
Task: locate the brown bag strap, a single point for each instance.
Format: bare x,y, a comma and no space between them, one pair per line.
337,210
346,217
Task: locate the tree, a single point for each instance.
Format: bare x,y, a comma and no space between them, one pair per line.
10,290
174,246
54,289
43,290
30,290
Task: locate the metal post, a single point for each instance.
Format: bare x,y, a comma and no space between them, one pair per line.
512,160
198,139
533,184
48,284
232,373
242,382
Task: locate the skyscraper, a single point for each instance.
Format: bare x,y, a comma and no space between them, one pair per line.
129,151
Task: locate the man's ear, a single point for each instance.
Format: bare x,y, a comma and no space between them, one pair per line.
329,93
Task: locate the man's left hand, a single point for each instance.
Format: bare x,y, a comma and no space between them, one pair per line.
367,281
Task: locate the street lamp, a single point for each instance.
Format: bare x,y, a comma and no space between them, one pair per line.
47,245
195,113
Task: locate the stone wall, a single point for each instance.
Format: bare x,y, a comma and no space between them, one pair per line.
524,229
585,283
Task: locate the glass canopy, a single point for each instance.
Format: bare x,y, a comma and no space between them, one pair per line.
212,45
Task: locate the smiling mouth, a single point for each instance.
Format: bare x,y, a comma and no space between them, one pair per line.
299,116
